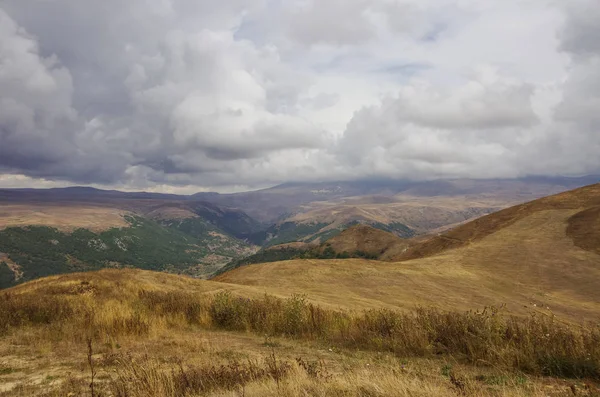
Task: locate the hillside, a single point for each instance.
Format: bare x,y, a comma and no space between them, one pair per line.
321,211
402,215
364,239
538,256
281,202
36,251
139,333
581,205
357,241
513,312
44,232
48,236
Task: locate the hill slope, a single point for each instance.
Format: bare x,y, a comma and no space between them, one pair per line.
43,235
586,200
531,257
358,241
154,334
366,240
51,231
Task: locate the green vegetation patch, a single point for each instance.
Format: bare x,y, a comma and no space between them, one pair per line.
234,223
7,277
264,256
396,228
209,236
44,251
291,231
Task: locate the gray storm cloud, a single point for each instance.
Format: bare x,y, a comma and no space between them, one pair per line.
187,92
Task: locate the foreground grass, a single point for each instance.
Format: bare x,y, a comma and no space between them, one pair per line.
104,315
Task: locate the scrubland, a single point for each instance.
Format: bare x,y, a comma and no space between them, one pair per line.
107,334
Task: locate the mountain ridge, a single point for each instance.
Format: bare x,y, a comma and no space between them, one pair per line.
543,255
211,235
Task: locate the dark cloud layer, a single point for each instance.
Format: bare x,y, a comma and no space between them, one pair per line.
188,92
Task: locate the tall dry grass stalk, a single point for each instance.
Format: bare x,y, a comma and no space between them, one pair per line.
537,345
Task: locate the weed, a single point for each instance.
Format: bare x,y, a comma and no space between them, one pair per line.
137,379
447,370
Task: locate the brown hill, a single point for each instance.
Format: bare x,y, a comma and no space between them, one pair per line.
138,333
364,239
541,256
584,229
61,217
583,224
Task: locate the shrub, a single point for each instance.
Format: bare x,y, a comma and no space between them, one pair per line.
148,379
18,310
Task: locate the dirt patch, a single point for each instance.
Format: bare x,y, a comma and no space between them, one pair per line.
584,229
16,269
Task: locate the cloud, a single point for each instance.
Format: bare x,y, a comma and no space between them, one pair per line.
320,22
197,93
35,107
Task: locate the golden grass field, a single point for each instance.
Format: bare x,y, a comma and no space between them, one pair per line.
368,240
360,331
531,262
148,337
62,217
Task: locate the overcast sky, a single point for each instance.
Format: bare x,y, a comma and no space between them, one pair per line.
190,95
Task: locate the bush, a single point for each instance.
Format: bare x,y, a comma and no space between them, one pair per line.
148,379
538,344
17,310
171,303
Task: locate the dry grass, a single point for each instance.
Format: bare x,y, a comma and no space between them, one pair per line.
477,230
285,347
366,239
530,265
149,378
103,312
422,214
62,217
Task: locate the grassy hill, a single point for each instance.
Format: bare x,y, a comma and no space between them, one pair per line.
580,205
43,238
511,310
318,232
538,256
357,241
138,333
365,241
198,235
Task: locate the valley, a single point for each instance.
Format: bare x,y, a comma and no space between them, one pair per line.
45,232
306,198
505,305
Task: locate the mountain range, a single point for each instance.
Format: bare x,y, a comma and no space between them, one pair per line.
52,231
506,304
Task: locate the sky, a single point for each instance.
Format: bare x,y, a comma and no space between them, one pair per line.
196,95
